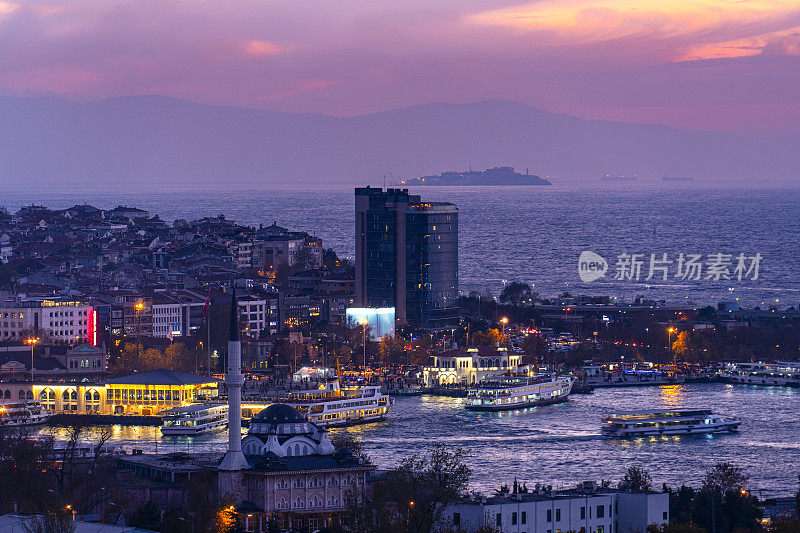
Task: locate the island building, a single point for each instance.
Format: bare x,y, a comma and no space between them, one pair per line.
407,257
464,366
585,509
143,394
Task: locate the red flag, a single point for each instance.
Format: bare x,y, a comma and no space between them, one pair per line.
207,304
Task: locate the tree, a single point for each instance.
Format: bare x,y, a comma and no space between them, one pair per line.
431,482
783,524
674,527
535,346
637,479
682,345
178,357
723,478
151,359
491,337
391,350
52,522
515,293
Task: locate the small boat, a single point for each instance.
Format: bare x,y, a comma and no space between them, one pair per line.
503,393
24,413
194,419
667,422
407,391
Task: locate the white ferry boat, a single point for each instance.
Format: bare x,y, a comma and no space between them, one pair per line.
502,393
24,413
194,419
599,376
781,374
329,405
669,422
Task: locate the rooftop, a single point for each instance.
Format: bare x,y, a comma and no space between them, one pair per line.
161,377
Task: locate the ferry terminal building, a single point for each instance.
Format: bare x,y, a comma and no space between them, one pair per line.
142,394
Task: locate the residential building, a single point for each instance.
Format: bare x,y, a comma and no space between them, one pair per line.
64,320
586,509
407,257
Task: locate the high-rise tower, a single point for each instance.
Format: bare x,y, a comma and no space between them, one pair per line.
407,257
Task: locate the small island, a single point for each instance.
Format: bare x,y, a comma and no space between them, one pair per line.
489,177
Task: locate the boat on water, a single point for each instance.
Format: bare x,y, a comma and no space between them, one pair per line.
22,413
598,376
194,419
503,393
330,405
780,374
667,422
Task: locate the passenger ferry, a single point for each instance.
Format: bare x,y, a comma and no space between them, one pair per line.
25,413
671,422
329,405
194,419
616,376
781,374
503,393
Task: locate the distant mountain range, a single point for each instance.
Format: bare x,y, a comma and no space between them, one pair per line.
169,142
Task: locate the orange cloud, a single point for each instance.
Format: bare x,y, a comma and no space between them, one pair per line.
6,9
700,29
262,48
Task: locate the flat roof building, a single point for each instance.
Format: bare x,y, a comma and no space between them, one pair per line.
407,257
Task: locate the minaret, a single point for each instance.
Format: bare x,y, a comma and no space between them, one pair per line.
234,458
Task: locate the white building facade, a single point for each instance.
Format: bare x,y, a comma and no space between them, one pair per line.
72,322
583,510
467,366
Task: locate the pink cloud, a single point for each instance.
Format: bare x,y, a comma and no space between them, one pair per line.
625,58
261,48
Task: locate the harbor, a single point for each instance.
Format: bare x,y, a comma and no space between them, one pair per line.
563,442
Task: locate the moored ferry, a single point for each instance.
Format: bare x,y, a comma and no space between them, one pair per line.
667,422
503,393
619,376
781,374
194,419
24,413
329,405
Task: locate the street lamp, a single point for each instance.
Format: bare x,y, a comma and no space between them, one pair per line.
138,306
32,341
364,323
504,321
670,331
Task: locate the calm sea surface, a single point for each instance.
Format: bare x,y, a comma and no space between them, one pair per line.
534,234
560,444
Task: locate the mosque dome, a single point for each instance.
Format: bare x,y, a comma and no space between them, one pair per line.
279,413
282,430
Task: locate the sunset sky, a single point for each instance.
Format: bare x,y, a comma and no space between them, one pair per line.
705,64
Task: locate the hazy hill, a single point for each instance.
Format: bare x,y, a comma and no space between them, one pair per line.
160,140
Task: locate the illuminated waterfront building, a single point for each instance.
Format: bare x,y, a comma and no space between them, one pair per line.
146,393
466,366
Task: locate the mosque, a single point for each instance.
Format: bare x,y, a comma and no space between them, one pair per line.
285,470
